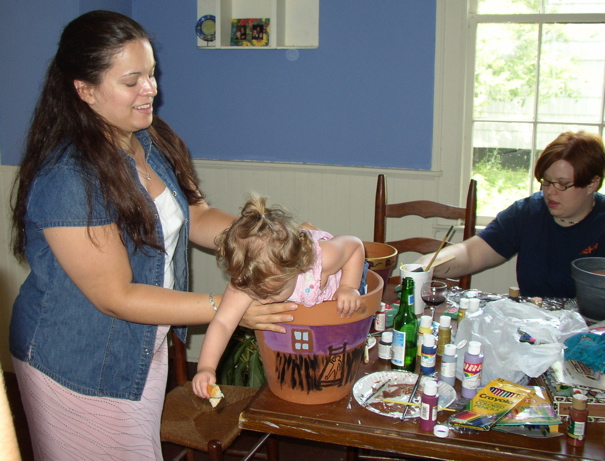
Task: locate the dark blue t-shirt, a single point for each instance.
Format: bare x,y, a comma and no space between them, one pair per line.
545,250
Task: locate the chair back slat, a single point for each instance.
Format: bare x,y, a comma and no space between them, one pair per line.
425,209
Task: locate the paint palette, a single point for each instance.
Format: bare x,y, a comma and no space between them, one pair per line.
398,390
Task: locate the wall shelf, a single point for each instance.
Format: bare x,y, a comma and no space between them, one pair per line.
293,23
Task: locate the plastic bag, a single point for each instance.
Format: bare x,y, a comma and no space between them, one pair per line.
518,339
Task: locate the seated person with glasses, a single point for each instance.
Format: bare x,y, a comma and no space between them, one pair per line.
548,230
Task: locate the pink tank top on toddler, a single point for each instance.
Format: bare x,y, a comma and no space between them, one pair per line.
308,289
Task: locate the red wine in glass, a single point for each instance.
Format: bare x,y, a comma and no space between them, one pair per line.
433,300
433,293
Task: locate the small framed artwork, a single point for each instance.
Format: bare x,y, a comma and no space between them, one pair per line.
250,32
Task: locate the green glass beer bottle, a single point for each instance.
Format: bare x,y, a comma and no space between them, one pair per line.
405,330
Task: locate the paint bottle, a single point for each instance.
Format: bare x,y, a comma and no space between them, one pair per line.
462,308
473,306
445,333
429,354
380,321
426,327
429,405
576,425
473,364
384,345
392,310
447,372
513,294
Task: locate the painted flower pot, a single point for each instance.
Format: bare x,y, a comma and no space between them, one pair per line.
382,259
316,360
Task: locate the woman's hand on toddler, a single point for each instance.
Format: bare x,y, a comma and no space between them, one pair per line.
348,301
200,381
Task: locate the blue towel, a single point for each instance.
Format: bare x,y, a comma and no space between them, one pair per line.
587,348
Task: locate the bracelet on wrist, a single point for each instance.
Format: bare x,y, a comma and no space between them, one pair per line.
212,303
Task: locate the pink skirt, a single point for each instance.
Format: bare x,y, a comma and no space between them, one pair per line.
65,425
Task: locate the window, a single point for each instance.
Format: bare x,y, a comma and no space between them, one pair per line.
302,340
530,70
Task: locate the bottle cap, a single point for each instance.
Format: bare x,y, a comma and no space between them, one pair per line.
474,347
450,349
383,307
386,337
464,302
445,321
513,292
426,321
428,340
441,431
430,387
579,402
473,305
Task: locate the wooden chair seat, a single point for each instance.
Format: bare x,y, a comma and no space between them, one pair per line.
190,421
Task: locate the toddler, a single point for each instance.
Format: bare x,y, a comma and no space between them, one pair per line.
271,258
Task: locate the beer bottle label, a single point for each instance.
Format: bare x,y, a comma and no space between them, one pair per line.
398,348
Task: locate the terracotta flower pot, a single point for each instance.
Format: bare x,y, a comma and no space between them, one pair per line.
382,259
316,360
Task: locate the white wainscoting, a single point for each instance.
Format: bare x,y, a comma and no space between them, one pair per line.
337,199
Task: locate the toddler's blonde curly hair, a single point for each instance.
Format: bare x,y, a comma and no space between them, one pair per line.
264,249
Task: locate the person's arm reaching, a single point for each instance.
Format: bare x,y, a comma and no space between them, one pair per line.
232,308
100,268
470,256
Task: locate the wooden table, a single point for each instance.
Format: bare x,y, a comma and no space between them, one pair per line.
345,422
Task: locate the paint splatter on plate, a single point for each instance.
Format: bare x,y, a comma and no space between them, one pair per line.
398,389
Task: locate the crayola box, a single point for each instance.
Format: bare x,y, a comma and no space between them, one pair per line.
491,404
536,409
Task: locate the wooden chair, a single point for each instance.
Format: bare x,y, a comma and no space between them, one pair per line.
425,209
192,423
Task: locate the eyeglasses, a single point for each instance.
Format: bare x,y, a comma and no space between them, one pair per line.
556,185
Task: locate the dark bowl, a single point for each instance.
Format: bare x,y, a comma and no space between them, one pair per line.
590,286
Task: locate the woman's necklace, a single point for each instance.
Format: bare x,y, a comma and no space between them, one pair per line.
133,154
564,221
145,174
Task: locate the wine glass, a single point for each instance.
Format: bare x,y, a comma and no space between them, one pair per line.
433,293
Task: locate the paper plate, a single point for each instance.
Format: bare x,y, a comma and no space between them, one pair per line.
398,389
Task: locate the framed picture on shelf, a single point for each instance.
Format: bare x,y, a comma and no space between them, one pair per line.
250,32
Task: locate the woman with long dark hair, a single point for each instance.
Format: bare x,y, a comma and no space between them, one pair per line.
104,207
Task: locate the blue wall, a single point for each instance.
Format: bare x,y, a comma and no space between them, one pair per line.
364,97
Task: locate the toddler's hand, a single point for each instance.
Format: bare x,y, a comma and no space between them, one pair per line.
348,301
200,381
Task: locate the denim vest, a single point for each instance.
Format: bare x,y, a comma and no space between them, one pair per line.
54,327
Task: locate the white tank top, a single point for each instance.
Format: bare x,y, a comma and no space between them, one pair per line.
172,219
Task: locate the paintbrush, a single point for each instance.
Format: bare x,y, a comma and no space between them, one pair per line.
411,399
413,404
443,242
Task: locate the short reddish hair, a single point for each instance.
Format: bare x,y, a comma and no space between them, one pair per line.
583,151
